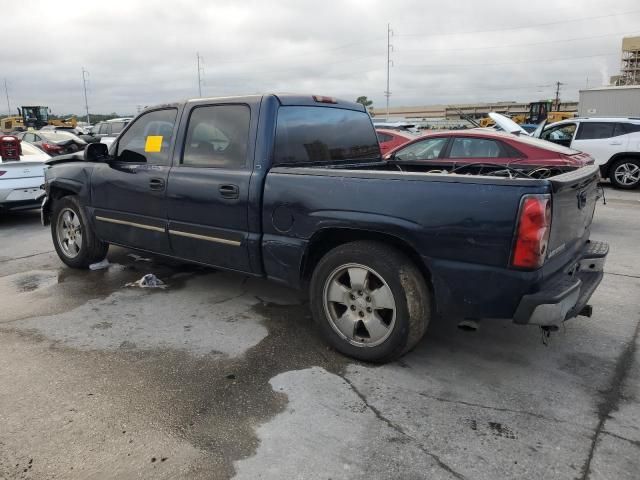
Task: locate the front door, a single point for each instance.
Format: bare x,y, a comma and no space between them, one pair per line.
601,140
208,191
128,193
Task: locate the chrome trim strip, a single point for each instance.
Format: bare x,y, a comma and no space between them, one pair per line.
131,224
205,237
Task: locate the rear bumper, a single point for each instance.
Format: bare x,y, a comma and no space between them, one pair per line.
565,296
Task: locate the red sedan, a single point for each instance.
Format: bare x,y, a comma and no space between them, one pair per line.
484,146
390,139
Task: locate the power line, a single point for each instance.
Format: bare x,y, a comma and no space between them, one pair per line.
520,27
466,65
513,45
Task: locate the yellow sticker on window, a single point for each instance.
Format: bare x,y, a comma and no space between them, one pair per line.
153,144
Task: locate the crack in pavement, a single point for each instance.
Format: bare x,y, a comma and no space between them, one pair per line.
611,396
620,437
499,409
26,256
622,274
401,431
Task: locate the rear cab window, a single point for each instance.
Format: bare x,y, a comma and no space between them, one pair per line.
324,135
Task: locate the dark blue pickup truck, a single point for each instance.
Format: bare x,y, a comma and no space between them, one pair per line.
293,188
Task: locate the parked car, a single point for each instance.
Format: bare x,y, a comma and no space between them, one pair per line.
53,142
486,147
79,132
289,188
390,139
108,130
614,143
20,181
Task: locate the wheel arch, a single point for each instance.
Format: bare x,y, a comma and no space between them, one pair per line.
329,238
604,169
55,191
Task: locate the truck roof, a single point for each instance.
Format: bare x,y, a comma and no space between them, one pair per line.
290,99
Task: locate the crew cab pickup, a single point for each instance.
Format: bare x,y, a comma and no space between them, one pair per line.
294,189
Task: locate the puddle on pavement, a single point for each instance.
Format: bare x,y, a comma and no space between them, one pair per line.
212,401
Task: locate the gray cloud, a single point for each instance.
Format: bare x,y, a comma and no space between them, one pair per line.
144,52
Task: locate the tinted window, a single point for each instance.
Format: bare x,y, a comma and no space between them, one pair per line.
217,136
116,127
595,130
428,149
383,137
624,128
148,139
464,147
104,129
323,135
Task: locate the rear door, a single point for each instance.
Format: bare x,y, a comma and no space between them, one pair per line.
601,140
128,193
208,192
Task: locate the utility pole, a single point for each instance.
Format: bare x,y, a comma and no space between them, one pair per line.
558,84
6,91
387,92
198,57
85,74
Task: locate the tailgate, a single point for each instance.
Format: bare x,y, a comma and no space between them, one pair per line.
574,197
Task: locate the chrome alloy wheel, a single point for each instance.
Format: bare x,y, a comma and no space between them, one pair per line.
69,232
359,305
627,173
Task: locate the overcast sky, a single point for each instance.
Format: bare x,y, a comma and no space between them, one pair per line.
144,52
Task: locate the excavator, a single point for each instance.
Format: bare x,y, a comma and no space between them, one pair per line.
34,117
538,112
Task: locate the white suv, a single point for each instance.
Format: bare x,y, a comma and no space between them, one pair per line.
614,143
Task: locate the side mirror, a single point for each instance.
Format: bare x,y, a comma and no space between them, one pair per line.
96,152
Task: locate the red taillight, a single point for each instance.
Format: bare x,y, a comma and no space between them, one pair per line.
49,147
532,237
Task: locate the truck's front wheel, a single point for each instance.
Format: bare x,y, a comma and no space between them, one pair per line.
73,238
370,300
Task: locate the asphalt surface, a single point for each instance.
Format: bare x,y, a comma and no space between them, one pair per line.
219,375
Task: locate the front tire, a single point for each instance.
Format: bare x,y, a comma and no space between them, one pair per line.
74,239
370,301
625,173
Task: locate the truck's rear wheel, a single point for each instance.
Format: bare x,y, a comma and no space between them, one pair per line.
73,238
625,173
370,300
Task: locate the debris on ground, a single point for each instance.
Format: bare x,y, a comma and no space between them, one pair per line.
99,265
138,258
148,281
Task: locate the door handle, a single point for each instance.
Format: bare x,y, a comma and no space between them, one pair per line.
156,184
229,191
615,143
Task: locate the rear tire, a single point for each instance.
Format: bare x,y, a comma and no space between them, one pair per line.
370,301
625,173
74,239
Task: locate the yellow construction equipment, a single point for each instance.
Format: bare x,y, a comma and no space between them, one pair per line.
538,111
36,117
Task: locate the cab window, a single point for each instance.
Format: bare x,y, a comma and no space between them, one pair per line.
149,138
217,136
